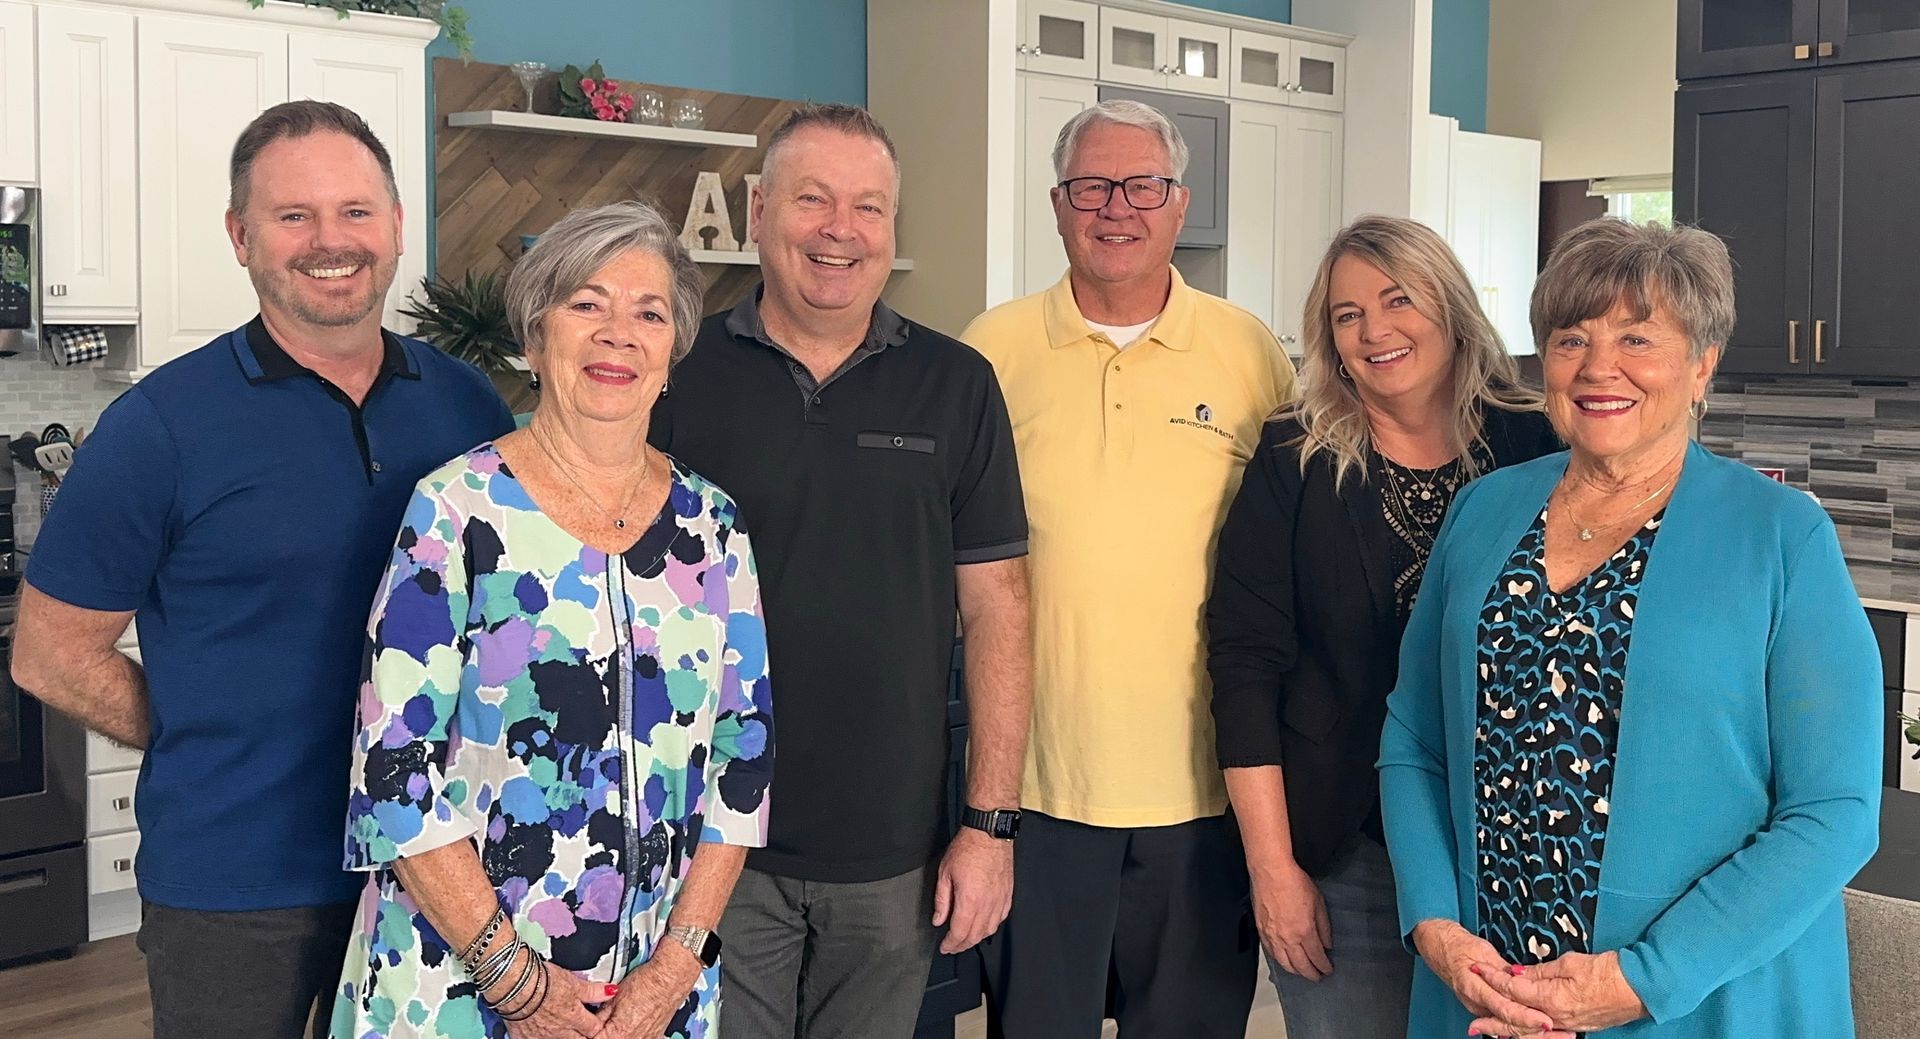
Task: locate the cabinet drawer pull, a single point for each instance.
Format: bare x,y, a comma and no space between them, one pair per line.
1819,341
122,865
56,290
1802,52
1793,341
121,804
1826,49
24,881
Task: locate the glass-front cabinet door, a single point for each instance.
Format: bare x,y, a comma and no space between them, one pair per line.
1319,76
1133,48
1259,66
1868,30
1060,38
1732,37
1199,57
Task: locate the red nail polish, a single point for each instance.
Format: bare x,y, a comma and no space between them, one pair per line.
613,990
1474,967
1473,1031
1516,970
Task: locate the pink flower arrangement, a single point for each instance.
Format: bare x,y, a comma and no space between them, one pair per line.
609,103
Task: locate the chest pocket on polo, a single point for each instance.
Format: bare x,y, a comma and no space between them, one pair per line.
880,440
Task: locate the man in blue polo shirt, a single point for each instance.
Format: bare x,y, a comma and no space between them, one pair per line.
239,503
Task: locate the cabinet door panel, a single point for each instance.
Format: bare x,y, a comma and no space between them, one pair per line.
89,151
1743,169
1046,103
1198,56
1133,48
1256,177
1259,67
1730,37
17,108
1203,125
1315,162
1869,30
1319,76
383,82
1866,221
201,82
1062,38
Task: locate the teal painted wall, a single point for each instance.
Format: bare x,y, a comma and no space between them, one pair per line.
1460,29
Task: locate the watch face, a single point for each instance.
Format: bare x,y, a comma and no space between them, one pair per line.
710,950
1006,825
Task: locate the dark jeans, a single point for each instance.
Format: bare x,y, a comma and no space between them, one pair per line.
265,974
1157,917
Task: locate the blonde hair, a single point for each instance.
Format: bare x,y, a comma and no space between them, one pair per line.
1425,268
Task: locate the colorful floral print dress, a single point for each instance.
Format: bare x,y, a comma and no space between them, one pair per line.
588,721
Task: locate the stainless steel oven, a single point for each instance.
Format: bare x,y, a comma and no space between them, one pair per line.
20,271
43,795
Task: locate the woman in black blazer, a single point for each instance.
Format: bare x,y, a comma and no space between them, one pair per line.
1408,394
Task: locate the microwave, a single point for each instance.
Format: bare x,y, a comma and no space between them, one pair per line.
19,270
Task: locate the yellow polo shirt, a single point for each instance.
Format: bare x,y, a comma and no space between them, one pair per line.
1129,460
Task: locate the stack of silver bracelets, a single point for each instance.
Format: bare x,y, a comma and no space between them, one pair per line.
490,971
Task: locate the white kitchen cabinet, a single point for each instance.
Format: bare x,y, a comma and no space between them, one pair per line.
1060,38
17,108
1146,50
1278,70
201,82
1046,103
1319,76
1909,767
384,83
1284,174
1494,227
88,155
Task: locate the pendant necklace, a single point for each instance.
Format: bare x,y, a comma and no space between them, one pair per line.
619,518
1587,533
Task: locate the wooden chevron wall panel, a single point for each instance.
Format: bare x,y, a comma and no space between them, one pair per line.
495,185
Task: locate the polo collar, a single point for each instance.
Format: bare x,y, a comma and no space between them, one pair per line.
262,359
1173,330
885,328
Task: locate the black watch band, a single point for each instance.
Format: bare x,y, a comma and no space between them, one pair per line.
1000,823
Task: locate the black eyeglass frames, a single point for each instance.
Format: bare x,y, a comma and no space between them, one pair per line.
1142,192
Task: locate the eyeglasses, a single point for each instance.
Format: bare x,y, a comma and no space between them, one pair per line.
1143,192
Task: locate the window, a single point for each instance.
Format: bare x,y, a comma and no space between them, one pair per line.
1637,199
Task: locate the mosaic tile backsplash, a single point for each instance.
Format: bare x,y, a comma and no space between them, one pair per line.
1855,445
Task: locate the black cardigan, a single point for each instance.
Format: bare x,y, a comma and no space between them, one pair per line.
1303,642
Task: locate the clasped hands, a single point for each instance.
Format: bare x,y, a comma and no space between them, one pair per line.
1553,1000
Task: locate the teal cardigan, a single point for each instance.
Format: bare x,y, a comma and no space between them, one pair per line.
1746,788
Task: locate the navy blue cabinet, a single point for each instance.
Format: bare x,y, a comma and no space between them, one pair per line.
953,986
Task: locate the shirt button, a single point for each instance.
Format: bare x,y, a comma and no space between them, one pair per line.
816,398
376,467
1116,367
798,368
899,441
1117,407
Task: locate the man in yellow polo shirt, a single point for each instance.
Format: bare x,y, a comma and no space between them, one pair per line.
1136,402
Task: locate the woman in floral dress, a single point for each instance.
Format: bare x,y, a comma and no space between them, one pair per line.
565,735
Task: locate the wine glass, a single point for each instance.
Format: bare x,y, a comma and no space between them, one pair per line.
528,73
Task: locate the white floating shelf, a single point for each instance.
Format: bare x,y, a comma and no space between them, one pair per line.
533,122
746,259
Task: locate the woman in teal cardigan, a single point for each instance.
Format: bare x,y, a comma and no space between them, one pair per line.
1632,756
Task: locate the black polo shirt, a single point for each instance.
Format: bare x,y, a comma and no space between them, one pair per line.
863,493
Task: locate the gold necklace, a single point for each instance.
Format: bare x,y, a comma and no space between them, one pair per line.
1586,532
619,518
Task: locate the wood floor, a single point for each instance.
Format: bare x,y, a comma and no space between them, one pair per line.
101,993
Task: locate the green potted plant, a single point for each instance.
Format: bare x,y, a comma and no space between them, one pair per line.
452,19
468,319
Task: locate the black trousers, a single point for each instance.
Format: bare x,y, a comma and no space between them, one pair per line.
1154,923
265,974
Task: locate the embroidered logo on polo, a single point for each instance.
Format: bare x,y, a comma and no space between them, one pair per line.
1202,419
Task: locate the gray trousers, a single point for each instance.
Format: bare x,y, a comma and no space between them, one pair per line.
264,974
1366,995
813,960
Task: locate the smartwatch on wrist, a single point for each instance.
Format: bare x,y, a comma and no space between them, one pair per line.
698,940
1000,823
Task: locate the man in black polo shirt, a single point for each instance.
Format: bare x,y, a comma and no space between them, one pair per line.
874,458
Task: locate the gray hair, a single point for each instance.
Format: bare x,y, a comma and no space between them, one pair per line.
1126,113
580,244
1419,261
1604,263
851,120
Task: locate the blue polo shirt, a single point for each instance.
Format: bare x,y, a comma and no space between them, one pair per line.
245,508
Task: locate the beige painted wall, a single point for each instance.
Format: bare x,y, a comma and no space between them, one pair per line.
1592,80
